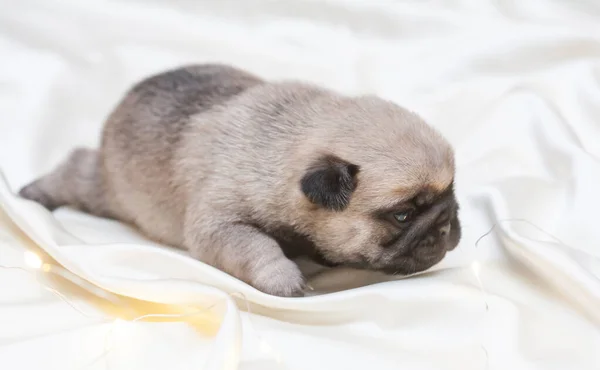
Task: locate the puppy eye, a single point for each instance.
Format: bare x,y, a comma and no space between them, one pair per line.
402,217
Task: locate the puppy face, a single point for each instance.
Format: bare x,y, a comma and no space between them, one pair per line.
387,204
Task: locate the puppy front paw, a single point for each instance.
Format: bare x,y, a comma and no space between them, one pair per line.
281,278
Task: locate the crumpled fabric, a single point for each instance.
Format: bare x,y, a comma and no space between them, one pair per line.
514,86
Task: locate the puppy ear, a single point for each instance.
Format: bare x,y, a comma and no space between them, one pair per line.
330,182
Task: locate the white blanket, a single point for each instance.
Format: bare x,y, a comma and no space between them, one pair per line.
514,85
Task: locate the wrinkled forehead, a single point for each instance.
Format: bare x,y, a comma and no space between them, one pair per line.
420,182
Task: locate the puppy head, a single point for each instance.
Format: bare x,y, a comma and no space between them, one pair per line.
380,194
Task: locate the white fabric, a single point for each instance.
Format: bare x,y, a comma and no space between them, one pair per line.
515,86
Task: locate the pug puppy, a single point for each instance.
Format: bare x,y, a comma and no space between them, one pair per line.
246,174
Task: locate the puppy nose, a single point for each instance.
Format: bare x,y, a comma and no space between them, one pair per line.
444,230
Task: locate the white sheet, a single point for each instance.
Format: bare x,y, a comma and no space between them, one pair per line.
515,85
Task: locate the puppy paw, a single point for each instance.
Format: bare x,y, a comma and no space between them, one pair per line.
282,278
35,193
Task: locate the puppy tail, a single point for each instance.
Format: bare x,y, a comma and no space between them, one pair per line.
77,182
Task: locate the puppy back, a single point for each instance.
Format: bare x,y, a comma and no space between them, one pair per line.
143,133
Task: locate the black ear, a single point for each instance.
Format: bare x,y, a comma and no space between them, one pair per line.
330,182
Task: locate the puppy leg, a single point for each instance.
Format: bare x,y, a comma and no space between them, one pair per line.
250,255
76,182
